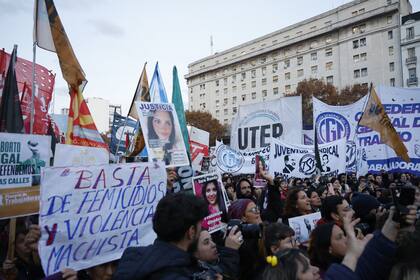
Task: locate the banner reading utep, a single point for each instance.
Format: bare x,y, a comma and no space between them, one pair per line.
97,212
21,159
161,130
336,122
298,161
403,108
256,124
209,187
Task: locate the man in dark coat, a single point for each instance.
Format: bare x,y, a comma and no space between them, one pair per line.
177,223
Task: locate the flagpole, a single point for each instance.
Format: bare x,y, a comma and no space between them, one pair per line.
33,89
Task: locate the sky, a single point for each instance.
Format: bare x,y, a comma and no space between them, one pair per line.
113,39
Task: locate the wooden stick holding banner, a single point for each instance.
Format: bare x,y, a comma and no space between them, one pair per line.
12,236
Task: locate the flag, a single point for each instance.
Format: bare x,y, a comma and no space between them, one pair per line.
49,34
179,107
318,163
157,89
117,137
141,94
10,112
375,117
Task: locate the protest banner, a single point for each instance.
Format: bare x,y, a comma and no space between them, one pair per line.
199,146
161,130
298,161
97,212
336,122
403,108
185,175
226,160
304,225
72,155
255,124
209,187
21,156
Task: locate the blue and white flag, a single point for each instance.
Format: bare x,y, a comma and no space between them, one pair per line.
157,89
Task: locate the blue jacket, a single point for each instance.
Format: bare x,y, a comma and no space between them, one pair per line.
161,260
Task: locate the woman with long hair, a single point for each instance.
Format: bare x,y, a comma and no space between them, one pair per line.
161,131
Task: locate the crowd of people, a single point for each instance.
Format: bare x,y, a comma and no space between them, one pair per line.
368,230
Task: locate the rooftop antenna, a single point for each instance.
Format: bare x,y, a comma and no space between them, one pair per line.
211,44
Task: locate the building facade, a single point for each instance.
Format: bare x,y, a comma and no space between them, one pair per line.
358,42
102,112
410,49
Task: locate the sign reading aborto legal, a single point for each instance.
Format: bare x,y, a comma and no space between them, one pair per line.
97,212
21,159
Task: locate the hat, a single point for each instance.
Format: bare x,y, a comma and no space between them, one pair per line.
237,208
363,203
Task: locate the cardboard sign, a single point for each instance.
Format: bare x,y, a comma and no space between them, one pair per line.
304,225
97,212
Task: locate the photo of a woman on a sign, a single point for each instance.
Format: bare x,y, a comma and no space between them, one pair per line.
210,188
162,133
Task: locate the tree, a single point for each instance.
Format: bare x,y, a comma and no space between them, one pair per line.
326,93
205,121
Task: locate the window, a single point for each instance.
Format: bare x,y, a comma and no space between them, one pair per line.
264,93
330,79
217,112
243,76
355,44
363,56
392,82
225,121
299,60
411,52
359,29
391,67
275,79
275,91
253,84
243,86
328,40
363,72
254,95
287,89
329,65
234,89
225,111
354,13
314,69
362,10
253,74
234,110
225,101
286,64
300,72
217,83
356,58
225,81
328,52
217,104
233,78
264,81
217,92
412,73
234,100
275,67
388,2
389,19
390,35
263,70
225,90
410,33
287,76
263,60
314,56
362,42
243,97
356,73
391,50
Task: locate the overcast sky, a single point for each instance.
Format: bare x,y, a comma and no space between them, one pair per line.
112,39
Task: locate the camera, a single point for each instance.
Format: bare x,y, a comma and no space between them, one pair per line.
249,231
402,196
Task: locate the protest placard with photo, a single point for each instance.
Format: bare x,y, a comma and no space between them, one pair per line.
97,212
210,188
304,225
161,130
259,181
22,156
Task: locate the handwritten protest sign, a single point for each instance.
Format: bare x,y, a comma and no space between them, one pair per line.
96,212
21,159
72,155
304,225
210,188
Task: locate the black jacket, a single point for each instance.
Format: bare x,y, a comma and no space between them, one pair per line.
161,260
274,208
